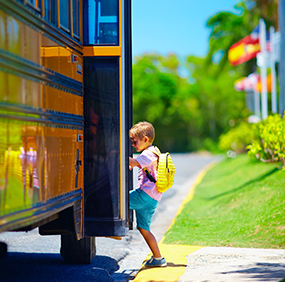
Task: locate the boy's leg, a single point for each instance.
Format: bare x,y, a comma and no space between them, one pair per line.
145,206
151,241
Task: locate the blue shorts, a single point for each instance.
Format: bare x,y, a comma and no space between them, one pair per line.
144,207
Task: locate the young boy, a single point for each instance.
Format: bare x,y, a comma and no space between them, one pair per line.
145,198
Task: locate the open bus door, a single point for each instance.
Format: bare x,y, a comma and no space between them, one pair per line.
106,181
108,117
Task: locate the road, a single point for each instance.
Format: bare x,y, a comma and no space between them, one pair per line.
32,257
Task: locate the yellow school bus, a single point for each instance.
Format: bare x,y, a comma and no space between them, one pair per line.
65,111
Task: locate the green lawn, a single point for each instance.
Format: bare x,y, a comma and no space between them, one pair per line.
239,203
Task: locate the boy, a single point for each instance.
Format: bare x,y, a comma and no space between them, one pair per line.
145,198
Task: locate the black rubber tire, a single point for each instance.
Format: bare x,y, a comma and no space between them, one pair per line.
77,251
3,250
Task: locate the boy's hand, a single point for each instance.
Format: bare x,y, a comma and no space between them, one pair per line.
132,163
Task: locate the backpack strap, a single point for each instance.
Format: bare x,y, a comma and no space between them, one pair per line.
149,176
156,151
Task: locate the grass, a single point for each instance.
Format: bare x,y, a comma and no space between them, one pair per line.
239,203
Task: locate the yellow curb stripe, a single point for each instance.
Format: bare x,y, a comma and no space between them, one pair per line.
175,255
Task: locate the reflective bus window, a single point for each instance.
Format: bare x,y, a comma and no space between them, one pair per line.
76,18
65,14
37,4
51,11
105,27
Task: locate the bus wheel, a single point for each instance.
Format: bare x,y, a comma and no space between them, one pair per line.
3,250
77,251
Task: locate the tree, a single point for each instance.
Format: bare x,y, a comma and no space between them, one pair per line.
157,87
226,29
218,101
266,9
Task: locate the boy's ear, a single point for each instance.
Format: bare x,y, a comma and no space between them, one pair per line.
145,139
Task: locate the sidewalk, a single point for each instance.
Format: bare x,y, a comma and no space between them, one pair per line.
235,264
214,264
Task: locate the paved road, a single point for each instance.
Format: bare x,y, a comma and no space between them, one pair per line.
36,258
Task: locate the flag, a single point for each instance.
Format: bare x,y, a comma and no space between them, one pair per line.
251,82
247,48
258,86
244,50
240,84
246,83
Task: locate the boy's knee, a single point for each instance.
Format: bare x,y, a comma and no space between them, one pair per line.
143,231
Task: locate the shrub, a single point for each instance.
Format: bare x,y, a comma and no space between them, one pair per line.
238,137
270,144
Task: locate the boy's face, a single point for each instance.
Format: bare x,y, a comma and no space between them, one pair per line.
140,144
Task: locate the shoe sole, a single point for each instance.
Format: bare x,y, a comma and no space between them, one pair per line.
161,265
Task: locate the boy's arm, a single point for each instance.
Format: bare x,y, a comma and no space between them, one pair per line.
132,163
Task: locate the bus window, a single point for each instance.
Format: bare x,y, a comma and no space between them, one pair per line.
104,30
51,11
65,15
76,18
36,4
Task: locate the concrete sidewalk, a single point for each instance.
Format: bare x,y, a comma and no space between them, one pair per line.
216,264
234,264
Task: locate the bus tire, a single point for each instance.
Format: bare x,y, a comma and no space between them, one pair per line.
77,251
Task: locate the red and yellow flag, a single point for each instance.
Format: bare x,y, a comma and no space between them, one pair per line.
244,50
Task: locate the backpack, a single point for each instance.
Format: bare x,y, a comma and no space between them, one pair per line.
165,171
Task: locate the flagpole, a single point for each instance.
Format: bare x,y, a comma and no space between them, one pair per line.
256,103
262,39
254,80
281,11
273,72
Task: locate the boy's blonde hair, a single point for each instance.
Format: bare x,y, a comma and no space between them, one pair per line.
141,129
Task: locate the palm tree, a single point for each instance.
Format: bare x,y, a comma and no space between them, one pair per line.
266,9
227,29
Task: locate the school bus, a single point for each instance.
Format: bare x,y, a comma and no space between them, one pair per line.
65,111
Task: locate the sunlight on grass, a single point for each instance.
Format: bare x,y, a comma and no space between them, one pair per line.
239,203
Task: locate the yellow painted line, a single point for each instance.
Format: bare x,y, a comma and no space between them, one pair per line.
175,255
122,211
121,144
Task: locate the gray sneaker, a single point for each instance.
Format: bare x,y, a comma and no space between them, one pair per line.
155,262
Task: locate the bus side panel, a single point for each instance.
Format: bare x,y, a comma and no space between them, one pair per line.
41,121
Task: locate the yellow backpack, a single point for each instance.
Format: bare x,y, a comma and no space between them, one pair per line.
165,171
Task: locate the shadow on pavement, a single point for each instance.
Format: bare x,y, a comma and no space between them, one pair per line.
34,267
262,271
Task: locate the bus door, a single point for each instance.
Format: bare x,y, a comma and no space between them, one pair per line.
108,117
